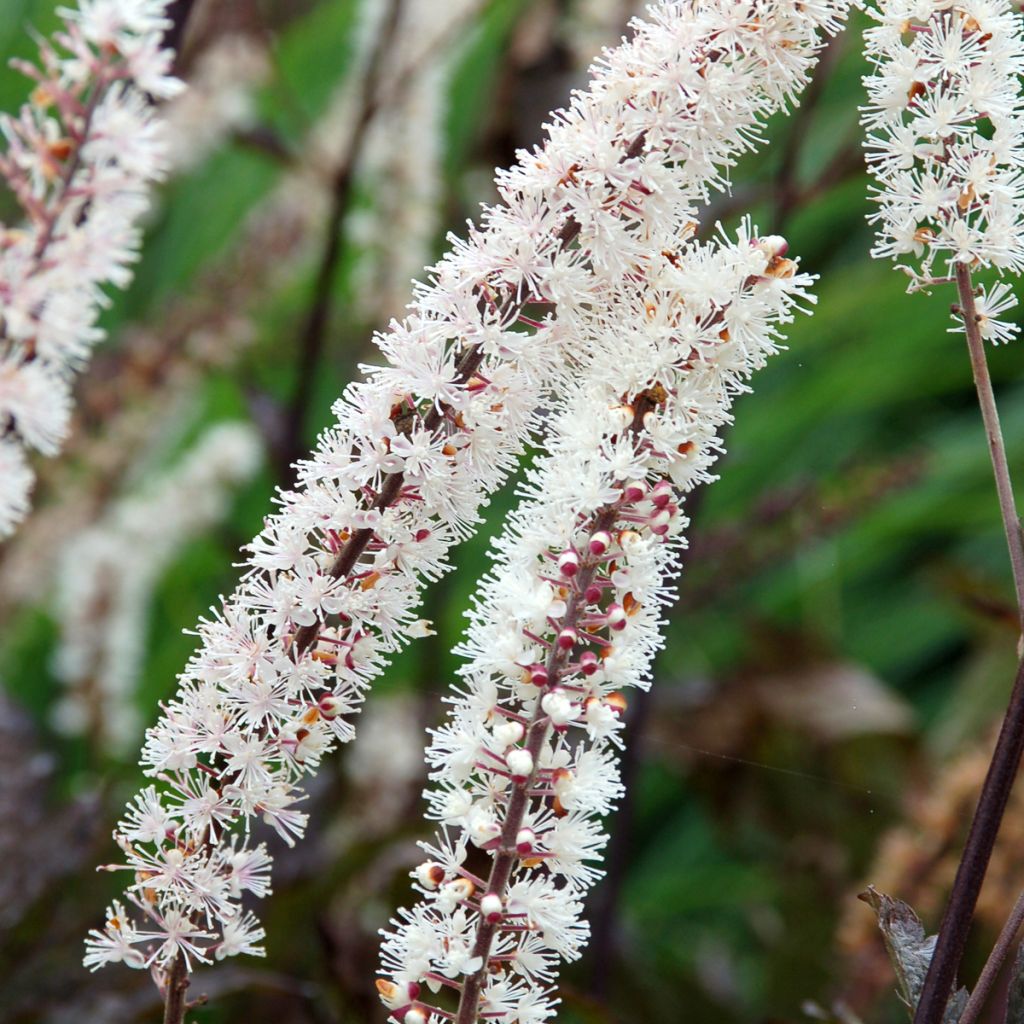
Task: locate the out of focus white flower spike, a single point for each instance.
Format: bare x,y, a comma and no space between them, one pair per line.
80,157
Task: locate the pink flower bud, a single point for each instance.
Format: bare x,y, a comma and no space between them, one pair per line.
567,639
588,663
634,491
600,542
331,706
491,908
616,617
568,563
525,840
538,675
592,594
660,522
662,494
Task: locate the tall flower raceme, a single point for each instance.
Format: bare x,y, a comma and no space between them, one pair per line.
945,123
332,582
567,621
80,157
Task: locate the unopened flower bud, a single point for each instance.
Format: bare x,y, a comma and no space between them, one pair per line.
567,639
661,522
508,733
634,491
592,594
491,908
330,706
520,764
600,542
430,874
559,708
568,563
616,616
538,675
525,840
588,663
662,494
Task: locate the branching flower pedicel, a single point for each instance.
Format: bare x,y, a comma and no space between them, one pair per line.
945,125
570,618
333,581
80,158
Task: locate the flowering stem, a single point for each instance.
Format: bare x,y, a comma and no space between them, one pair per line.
995,790
994,963
536,734
306,636
990,415
177,983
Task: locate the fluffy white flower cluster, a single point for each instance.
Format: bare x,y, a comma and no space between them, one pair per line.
80,156
525,766
103,598
945,123
333,581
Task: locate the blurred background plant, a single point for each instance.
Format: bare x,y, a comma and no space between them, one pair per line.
844,640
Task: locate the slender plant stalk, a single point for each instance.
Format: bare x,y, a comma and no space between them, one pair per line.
995,961
994,435
995,792
175,1003
1002,771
